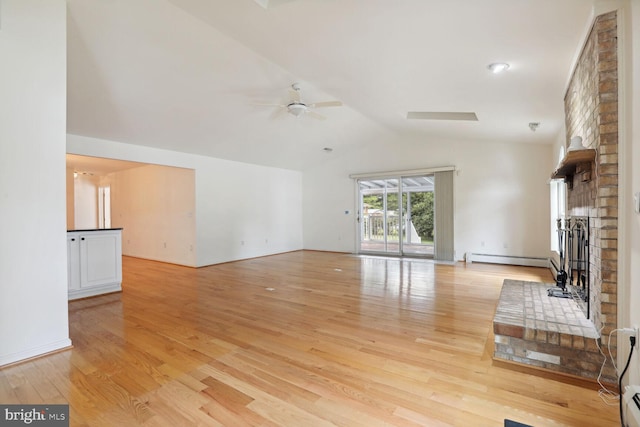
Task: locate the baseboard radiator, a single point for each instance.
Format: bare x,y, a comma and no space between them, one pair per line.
508,259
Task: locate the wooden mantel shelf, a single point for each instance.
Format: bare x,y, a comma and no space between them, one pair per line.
567,167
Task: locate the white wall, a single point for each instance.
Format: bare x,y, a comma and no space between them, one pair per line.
629,282
155,206
33,261
501,194
254,211
242,210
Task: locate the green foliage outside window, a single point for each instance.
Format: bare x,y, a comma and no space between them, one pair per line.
421,210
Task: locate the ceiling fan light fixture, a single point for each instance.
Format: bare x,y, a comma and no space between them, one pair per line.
498,67
297,109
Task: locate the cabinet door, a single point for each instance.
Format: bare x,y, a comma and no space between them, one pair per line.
73,261
100,259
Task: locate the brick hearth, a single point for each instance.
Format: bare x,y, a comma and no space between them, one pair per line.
547,332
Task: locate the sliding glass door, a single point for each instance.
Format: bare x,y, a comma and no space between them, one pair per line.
379,216
419,215
396,215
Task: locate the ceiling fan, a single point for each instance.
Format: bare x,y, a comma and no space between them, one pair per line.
297,108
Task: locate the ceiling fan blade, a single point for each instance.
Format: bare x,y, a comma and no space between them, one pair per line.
267,104
263,3
294,95
326,104
278,113
269,4
315,115
441,115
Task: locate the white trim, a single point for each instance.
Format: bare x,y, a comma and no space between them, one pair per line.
508,259
95,290
624,179
402,174
34,352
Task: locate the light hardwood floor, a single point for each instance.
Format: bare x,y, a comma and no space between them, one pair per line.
299,339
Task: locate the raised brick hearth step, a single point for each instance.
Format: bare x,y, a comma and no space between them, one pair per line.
534,329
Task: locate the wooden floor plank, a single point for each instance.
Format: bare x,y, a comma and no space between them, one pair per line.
303,338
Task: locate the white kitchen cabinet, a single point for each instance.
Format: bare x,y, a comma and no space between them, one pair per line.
73,261
94,262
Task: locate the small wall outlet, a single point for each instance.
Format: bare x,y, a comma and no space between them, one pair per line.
631,332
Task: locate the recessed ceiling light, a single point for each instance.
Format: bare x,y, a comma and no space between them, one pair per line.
498,67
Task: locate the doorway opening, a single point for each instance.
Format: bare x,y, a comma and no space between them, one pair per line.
104,207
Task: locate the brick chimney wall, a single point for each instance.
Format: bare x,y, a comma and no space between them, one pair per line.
591,111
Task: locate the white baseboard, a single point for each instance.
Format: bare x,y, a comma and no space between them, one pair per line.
509,259
93,291
7,359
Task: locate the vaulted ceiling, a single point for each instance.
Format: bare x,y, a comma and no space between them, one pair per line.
185,75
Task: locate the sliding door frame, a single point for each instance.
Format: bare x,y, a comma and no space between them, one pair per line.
399,175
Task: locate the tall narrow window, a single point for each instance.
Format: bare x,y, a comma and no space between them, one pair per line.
558,204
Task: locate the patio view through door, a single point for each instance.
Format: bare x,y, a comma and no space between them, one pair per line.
396,215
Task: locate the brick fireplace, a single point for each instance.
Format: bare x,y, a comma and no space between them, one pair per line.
591,108
559,342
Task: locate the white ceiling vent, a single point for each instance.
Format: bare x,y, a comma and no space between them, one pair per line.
439,115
